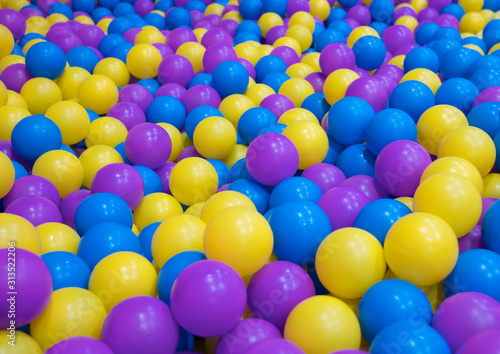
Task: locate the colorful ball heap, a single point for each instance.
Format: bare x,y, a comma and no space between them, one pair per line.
250,176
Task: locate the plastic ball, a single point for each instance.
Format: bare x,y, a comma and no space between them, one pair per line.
370,52
252,121
35,209
17,229
7,42
371,90
489,233
148,144
294,189
67,270
203,283
57,237
143,61
96,157
166,109
24,342
72,344
70,81
45,59
8,175
98,93
337,83
429,257
485,341
336,56
40,93
194,53
457,92
72,119
177,17
214,137
421,57
412,97
297,90
155,207
106,131
175,69
223,200
200,95
230,78
274,345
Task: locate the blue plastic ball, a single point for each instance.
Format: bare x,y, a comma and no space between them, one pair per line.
83,57
195,5
277,6
222,171
453,9
104,239
229,78
102,207
425,32
123,9
486,78
390,301
178,17
485,61
412,97
197,115
379,26
476,41
19,169
492,5
316,104
356,160
326,37
201,79
298,228
249,26
156,20
28,37
486,116
294,189
379,215
166,109
387,126
490,229
257,193
337,14
246,36
421,57
251,9
99,12
275,80
121,150
61,8
457,92
457,61
235,171
34,135
348,3
447,33
108,43
152,182
443,46
67,270
120,25
252,121
370,52
151,84
334,150
340,26
382,10
83,5
146,237
274,128
45,59
121,50
267,65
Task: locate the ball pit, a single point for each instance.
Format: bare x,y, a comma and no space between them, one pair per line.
195,176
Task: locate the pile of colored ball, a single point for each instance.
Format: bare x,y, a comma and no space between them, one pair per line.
250,176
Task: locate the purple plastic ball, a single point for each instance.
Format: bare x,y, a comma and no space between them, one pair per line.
361,14
277,103
487,342
128,113
36,209
326,176
175,69
288,55
366,185
336,56
294,6
491,94
79,345
274,33
33,185
137,94
396,36
392,71
69,205
143,7
15,76
275,346
67,41
200,95
216,54
164,49
172,89
179,36
189,151
14,21
164,173
371,90
229,25
317,81
148,144
90,35
472,240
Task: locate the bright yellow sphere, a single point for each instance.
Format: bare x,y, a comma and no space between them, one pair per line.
195,209
453,198
9,60
240,237
15,99
408,201
7,175
323,324
265,49
40,93
472,22
120,276
359,32
6,41
302,18
223,200
143,60
407,21
310,140
193,52
299,70
233,106
70,80
62,168
71,312
37,24
258,92
297,90
150,35
471,5
215,9
349,261
435,123
9,117
320,9
175,138
177,234
421,248
55,236
288,41
4,95
214,137
115,69
312,59
269,20
302,35
96,157
398,60
72,119
239,152
297,114
472,144
155,207
193,180
492,185
98,93
21,231
56,18
106,131
25,344
199,32
336,84
248,51
425,76
87,20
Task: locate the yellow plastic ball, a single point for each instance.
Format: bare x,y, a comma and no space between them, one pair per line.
472,22
177,234
492,185
175,138
96,157
408,201
72,119
70,81
425,76
240,237
7,175
214,137
55,236
24,343
288,42
269,20
407,21
193,180
21,231
6,41
214,9
474,47
56,18
71,312
310,140
435,123
193,52
258,92
323,324
320,9
336,84
311,59
195,209
421,248
62,168
9,117
297,114
199,32
4,95
359,32
299,70
156,207
86,20
237,154
115,69
302,18
233,106
487,14
223,200
453,198
106,131
302,35
265,49
494,48
37,24
472,144
98,93
16,4
150,35
455,165
471,5
120,276
418,5
398,60
297,90
9,60
233,15
349,261
15,99
248,51
31,43
40,93
143,60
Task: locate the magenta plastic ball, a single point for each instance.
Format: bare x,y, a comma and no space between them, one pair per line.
148,144
245,334
281,280
200,95
140,324
33,185
67,41
214,19
427,14
69,205
388,83
179,36
37,210
33,284
216,54
296,6
175,69
404,11
128,113
143,7
137,94
172,89
130,34
367,185
120,179
274,33
28,12
248,66
271,158
361,14
164,173
400,165
275,346
396,36
464,315
369,89
6,148
14,21
405,49
326,176
164,49
317,81
336,56
15,76
472,240
447,20
208,298
277,103
79,344
90,35
491,94
392,71
342,205
229,25
196,16
352,23
487,342
286,53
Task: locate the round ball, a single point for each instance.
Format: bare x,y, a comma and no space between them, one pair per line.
214,137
